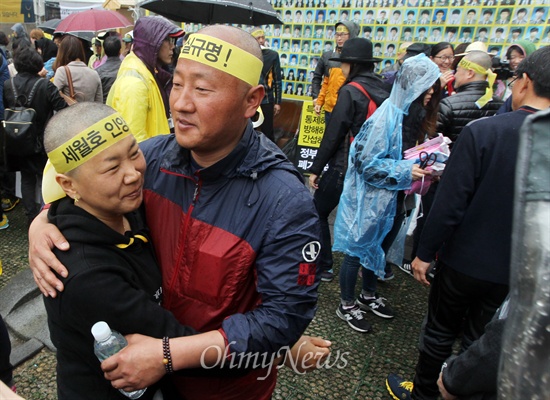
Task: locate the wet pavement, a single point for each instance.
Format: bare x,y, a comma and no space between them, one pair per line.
359,363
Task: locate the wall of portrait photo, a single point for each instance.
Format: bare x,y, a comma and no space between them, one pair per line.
308,29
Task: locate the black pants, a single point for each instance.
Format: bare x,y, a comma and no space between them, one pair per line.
427,201
267,127
326,199
30,181
6,368
456,302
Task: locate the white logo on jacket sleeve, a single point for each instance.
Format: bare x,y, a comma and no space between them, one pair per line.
311,251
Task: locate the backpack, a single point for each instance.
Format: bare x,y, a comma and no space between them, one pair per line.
21,136
372,105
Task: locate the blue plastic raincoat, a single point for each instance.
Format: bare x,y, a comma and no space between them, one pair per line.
377,171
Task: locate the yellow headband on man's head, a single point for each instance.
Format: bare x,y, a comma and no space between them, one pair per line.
342,29
219,54
258,33
80,149
491,76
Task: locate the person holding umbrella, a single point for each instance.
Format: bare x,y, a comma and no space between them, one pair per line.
141,90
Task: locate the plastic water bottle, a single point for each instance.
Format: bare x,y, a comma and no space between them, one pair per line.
107,343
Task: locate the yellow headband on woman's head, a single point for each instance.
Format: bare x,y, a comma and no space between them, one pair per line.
80,149
491,76
223,56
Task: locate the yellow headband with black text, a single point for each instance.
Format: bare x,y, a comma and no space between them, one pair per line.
223,56
80,149
491,76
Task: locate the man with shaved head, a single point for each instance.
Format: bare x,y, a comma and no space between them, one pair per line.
235,230
474,95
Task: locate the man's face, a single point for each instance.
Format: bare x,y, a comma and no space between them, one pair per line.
439,16
504,15
521,14
166,51
471,15
461,76
209,108
261,40
498,34
486,17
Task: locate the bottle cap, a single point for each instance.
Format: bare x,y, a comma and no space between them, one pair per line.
101,331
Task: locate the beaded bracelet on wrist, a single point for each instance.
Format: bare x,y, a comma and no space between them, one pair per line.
167,360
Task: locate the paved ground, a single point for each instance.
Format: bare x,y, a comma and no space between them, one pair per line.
368,358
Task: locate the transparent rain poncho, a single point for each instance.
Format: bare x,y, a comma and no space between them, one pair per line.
376,170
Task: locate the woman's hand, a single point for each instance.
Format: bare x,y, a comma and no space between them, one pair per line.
137,366
419,173
446,77
307,354
314,181
43,237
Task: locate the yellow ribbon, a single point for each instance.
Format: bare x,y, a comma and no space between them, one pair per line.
258,33
342,29
491,76
223,56
80,149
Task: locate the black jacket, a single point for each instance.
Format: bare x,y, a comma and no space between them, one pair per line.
456,111
121,286
470,222
45,101
348,115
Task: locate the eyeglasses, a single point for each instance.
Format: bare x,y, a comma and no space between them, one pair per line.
445,58
511,83
340,34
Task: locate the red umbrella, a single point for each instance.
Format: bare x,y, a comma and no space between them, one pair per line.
93,20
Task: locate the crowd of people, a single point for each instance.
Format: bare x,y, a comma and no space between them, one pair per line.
137,176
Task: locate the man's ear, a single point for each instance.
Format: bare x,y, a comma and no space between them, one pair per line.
67,184
254,98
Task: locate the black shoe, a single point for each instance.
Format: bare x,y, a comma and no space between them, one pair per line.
354,317
9,204
375,304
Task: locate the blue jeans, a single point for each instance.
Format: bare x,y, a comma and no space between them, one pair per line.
326,199
348,278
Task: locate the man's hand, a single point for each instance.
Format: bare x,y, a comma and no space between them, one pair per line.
43,237
418,173
314,181
137,366
420,268
276,109
317,109
308,354
444,394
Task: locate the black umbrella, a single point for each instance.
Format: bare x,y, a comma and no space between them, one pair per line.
246,12
50,25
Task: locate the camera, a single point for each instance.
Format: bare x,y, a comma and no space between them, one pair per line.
502,69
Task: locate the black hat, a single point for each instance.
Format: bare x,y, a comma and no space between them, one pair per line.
416,49
356,50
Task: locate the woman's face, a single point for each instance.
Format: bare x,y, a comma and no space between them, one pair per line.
515,58
444,59
345,69
110,184
428,96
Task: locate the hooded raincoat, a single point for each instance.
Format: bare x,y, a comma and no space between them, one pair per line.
376,171
141,90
